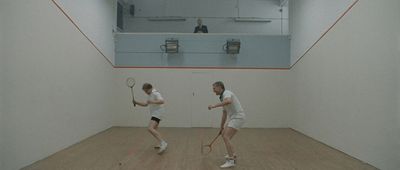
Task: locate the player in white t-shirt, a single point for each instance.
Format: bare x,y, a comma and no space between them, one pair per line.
156,106
233,118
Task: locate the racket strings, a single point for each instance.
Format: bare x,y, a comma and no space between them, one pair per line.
130,82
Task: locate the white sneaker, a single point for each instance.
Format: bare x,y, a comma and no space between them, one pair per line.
228,163
163,147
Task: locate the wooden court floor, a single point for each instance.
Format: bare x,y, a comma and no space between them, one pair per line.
132,148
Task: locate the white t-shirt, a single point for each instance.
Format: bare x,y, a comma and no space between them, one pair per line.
156,110
234,110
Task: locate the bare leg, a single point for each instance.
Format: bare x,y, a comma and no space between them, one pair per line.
227,135
153,126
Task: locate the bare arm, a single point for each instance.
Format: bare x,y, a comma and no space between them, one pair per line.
226,101
143,104
223,120
156,101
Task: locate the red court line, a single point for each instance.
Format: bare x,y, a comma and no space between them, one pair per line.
323,35
227,68
248,68
77,27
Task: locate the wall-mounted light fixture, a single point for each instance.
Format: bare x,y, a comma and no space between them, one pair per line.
232,46
170,46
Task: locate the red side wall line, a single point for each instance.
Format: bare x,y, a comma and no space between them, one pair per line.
79,29
222,68
348,9
250,68
165,67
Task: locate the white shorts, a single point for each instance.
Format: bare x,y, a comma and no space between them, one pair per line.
235,123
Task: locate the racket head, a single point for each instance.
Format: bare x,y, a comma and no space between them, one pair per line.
206,149
130,82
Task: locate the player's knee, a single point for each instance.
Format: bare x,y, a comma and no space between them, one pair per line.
225,137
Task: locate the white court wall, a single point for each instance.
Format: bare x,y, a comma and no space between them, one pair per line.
309,19
58,89
56,85
346,89
398,86
97,19
263,94
1,86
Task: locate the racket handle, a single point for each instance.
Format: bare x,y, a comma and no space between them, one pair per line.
134,103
